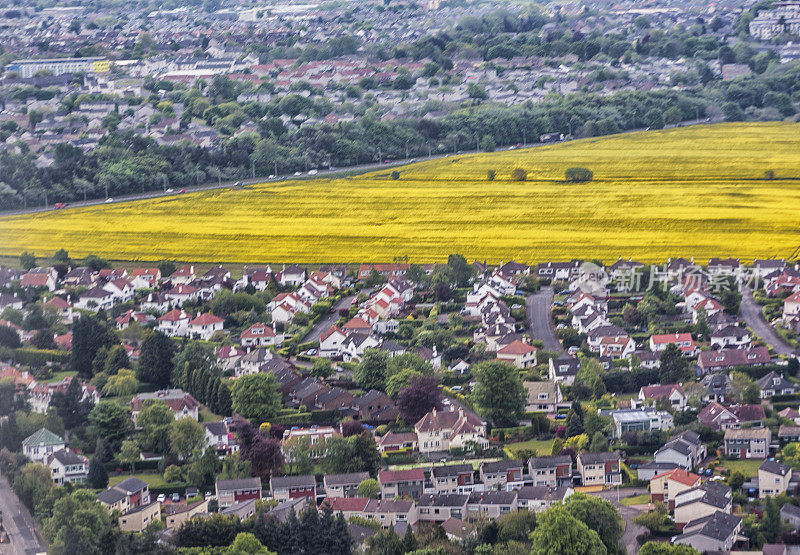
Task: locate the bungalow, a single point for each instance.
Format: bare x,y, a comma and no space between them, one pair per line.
617,347
284,488
788,434
775,384
599,468
672,392
683,341
791,514
204,326
788,412
237,491
397,441
182,404
520,354
734,337
401,483
725,359
543,396
773,478
717,386
718,417
293,275
747,443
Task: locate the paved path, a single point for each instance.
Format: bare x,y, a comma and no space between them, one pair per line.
324,323
540,321
750,312
628,513
18,523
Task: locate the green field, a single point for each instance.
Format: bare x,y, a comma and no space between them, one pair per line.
543,447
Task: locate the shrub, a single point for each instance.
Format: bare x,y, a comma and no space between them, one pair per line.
395,174
578,175
519,174
769,174
490,175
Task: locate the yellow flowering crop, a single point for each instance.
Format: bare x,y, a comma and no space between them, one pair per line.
697,191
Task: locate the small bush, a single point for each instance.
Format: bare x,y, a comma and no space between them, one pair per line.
519,175
490,175
578,175
395,174
769,174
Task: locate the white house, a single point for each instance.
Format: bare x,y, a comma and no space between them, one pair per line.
204,326
174,323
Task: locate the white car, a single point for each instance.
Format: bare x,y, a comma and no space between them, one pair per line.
170,191
109,199
271,176
161,498
313,172
298,173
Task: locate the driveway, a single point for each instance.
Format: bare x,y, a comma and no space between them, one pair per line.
324,323
750,312
540,322
18,523
628,513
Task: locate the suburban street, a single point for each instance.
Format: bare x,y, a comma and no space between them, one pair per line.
328,320
539,321
750,312
628,513
18,523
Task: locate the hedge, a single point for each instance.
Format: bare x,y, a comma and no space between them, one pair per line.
295,418
790,397
29,356
168,490
630,381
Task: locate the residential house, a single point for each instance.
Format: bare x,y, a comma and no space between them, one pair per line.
259,335
375,406
220,438
730,336
446,429
41,444
639,420
292,487
703,500
205,326
316,436
67,466
685,450
331,341
717,386
129,493
453,478
401,483
518,353
491,504
145,278
553,471
683,341
502,474
773,478
351,506
563,370
541,498
791,309
775,384
138,518
397,441
725,359
599,468
718,417
439,507
543,396
791,514
747,443
672,392
178,513
237,491
788,434
714,533
343,485
174,323
179,294
182,404
391,512
666,486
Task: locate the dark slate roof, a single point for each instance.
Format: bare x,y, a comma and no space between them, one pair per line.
131,485
450,470
492,497
501,466
280,482
111,496
240,484
719,526
546,462
541,492
775,467
443,500
346,479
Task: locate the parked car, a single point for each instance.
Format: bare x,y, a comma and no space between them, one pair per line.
60,205
237,184
271,176
312,352
170,191
161,497
176,497
298,173
313,172
181,191
109,199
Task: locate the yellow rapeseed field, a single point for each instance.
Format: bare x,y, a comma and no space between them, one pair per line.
696,191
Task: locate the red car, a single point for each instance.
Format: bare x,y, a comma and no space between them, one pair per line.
180,191
60,205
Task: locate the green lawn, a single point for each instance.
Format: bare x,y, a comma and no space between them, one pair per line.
208,416
635,500
59,376
542,447
154,479
748,467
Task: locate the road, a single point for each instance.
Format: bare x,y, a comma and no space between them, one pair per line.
750,312
281,178
324,323
18,523
628,513
540,322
